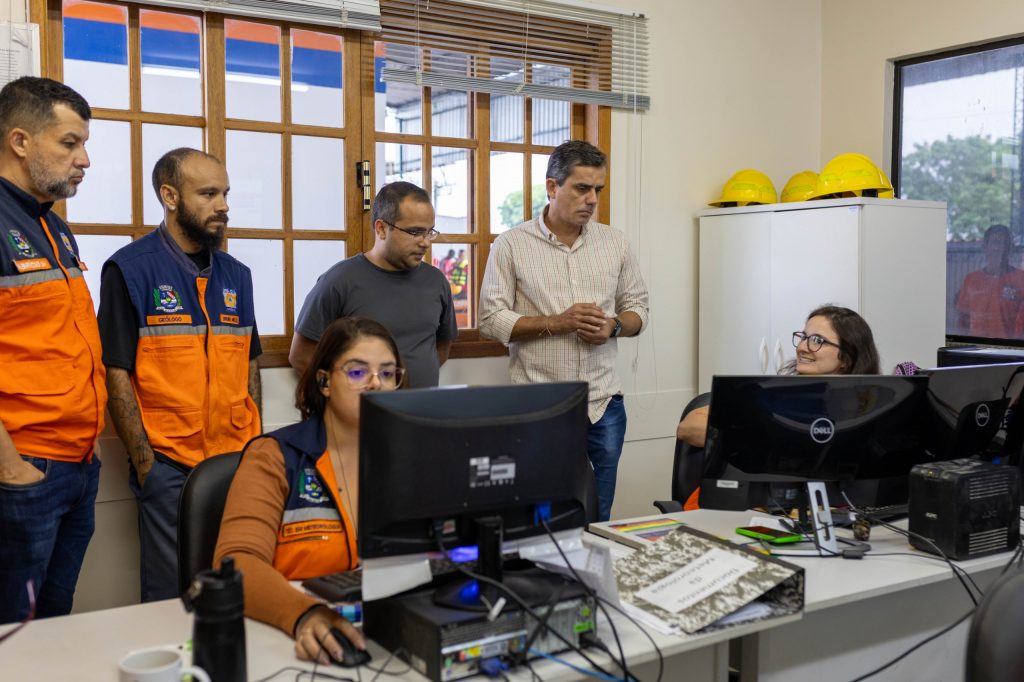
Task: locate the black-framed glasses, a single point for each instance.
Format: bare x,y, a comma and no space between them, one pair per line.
814,341
29,616
416,232
359,375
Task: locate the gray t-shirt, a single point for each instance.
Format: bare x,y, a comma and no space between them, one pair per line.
414,305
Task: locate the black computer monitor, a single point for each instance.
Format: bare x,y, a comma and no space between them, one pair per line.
973,411
769,435
441,467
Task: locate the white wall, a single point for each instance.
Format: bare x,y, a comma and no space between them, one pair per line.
734,84
860,41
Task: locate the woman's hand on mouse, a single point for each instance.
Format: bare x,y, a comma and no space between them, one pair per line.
313,640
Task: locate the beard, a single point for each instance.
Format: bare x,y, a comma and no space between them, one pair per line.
48,183
196,230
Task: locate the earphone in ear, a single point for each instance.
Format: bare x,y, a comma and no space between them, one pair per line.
322,381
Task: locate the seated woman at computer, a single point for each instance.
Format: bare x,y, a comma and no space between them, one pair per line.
834,340
291,511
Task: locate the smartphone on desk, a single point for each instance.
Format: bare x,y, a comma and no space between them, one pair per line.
771,535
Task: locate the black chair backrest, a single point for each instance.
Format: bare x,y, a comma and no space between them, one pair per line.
995,645
200,509
688,464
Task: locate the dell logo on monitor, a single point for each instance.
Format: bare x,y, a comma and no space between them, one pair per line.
822,430
981,415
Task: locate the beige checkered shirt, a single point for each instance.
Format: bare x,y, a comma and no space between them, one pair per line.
530,273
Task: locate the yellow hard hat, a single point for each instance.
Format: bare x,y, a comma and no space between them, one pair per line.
800,187
746,187
849,175
889,193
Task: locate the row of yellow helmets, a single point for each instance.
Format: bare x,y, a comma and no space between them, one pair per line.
847,175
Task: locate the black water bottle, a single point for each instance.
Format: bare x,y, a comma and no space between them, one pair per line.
218,629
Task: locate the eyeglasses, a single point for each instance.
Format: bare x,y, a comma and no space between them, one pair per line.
359,376
415,232
814,341
29,616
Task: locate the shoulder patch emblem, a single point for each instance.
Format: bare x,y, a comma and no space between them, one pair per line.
231,300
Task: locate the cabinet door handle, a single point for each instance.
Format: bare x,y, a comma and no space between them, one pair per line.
778,355
763,354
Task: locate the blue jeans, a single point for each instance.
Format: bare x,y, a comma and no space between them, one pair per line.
45,528
604,447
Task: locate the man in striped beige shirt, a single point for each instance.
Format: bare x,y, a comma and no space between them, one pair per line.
559,290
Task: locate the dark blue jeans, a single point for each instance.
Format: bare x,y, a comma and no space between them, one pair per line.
604,447
45,528
158,529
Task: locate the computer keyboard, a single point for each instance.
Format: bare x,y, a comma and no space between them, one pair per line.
891,512
348,585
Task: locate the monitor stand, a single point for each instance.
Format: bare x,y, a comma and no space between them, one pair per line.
471,594
824,536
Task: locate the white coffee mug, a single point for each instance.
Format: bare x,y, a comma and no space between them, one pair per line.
158,664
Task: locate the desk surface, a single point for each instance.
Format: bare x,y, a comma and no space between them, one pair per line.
88,646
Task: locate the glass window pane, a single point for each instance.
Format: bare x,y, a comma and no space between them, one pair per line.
506,190
94,250
254,169
318,183
550,118
398,107
399,162
449,108
962,141
157,140
105,195
450,193
310,259
265,257
96,52
171,63
317,96
454,260
538,177
507,110
253,64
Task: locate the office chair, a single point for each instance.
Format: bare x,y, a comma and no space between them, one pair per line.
995,645
200,509
688,465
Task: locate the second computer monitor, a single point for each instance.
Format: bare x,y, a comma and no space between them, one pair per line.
769,434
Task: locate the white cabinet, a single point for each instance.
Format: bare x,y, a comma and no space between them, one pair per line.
763,268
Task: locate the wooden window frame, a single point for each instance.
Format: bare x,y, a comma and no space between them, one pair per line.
587,121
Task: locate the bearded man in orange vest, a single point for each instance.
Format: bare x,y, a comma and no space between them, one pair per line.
52,392
178,323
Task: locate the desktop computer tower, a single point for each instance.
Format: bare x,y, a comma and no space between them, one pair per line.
447,644
966,507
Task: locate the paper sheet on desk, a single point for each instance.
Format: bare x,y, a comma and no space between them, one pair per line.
390,575
593,564
19,51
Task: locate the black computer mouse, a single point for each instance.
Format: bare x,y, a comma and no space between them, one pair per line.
351,656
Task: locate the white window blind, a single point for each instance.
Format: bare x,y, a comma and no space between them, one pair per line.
356,14
559,50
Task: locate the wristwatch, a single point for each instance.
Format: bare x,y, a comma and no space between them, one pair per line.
617,329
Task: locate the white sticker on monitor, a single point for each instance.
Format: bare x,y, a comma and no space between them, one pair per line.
732,485
487,472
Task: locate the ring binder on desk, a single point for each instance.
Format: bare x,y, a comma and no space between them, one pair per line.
692,580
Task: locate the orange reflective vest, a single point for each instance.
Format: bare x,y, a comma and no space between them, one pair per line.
191,375
315,536
52,380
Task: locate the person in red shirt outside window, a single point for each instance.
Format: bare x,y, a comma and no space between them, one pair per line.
990,299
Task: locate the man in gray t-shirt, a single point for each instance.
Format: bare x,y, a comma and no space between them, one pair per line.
389,283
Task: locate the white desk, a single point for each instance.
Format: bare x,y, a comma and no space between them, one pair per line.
87,646
860,614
